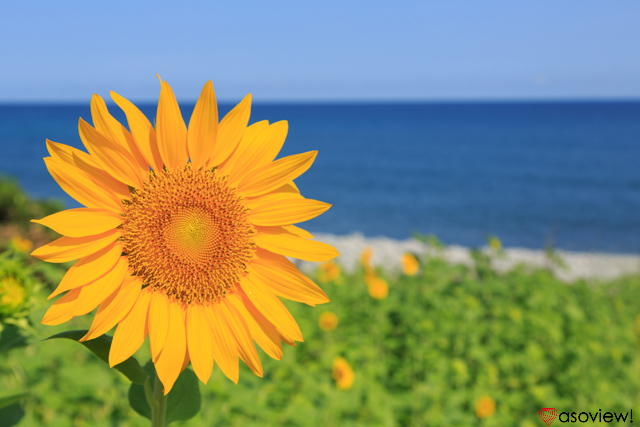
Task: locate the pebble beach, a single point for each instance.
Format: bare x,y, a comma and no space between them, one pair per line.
573,266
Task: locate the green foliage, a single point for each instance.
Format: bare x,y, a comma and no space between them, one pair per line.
422,356
17,207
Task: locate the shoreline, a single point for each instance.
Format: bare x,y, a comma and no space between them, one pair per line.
387,253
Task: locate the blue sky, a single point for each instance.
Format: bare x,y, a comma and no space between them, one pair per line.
329,50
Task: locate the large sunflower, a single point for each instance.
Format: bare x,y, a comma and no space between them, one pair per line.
184,236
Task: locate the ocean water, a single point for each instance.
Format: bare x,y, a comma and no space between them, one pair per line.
560,173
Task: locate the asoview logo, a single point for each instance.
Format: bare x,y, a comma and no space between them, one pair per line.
548,415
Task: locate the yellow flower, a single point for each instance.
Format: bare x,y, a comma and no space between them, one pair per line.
184,236
485,407
378,288
365,257
342,373
328,271
409,264
21,244
12,293
495,244
328,321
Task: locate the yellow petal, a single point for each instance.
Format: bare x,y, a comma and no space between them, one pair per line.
276,174
131,331
109,155
61,310
280,241
203,127
171,130
270,306
230,131
270,198
83,161
262,331
287,211
298,231
225,348
94,293
242,336
172,356
81,186
142,131
250,134
81,222
89,268
158,322
114,308
69,248
251,155
112,129
285,280
199,341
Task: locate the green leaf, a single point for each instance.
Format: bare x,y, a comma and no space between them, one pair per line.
100,346
137,397
11,415
183,401
10,400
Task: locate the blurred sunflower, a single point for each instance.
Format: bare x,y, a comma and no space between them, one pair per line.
328,321
342,373
485,407
185,235
329,271
378,287
410,265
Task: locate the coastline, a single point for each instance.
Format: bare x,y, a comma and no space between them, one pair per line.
387,253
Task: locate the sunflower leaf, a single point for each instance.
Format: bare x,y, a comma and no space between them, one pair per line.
183,402
100,346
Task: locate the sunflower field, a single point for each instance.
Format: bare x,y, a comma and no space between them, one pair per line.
433,345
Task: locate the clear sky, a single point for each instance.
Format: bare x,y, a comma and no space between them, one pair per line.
325,50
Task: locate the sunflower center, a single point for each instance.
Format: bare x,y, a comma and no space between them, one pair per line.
187,232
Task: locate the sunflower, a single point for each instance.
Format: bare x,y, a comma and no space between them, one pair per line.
185,235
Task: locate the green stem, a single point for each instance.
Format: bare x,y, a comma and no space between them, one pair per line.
157,401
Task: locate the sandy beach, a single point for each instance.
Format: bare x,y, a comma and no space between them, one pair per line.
387,253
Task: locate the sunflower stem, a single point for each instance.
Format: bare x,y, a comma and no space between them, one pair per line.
158,403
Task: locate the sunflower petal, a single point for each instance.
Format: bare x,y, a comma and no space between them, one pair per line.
109,155
253,154
230,131
112,129
270,306
83,161
248,137
280,241
276,174
298,231
199,341
242,335
90,268
131,331
114,308
172,132
158,322
285,280
79,185
92,294
173,352
70,248
142,131
203,127
81,222
287,211
225,348
262,331
61,310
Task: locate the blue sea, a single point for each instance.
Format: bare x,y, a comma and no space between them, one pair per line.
560,173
